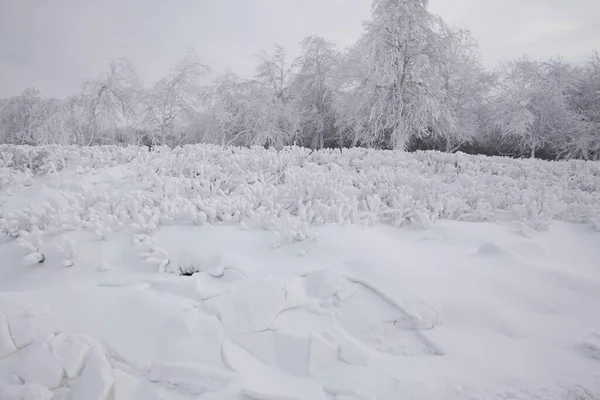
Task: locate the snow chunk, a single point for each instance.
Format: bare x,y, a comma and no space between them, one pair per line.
21,329
250,308
40,366
96,379
7,345
323,284
71,352
126,387
192,338
295,292
261,345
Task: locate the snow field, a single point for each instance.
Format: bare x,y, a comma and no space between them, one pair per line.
210,273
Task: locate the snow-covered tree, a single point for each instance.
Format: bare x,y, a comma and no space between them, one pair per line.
260,111
586,103
313,89
465,87
225,111
274,73
246,113
173,101
22,117
532,104
109,102
395,89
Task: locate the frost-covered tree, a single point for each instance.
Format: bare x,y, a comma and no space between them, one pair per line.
247,113
22,117
532,104
109,102
173,101
226,108
313,89
395,91
269,116
30,119
274,73
465,87
586,103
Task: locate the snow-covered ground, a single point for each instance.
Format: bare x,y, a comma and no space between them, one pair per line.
204,273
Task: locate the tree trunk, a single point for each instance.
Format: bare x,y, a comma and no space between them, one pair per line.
532,151
448,145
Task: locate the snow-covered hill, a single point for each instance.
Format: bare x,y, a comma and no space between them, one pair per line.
210,273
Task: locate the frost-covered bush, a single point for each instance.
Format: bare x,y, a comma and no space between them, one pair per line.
286,191
31,244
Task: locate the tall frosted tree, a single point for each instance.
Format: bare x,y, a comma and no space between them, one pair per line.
395,86
29,119
246,113
313,89
532,104
274,73
586,102
173,102
109,102
465,87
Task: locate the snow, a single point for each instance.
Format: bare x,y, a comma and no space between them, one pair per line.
71,351
251,308
292,353
190,378
7,345
22,329
360,275
126,386
39,365
322,356
96,379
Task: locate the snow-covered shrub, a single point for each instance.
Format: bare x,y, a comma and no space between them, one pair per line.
31,243
153,254
286,191
67,250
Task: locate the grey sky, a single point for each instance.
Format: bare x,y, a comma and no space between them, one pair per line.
55,45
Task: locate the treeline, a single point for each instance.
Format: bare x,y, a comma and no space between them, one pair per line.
410,82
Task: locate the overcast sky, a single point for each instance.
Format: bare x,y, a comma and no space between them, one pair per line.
55,45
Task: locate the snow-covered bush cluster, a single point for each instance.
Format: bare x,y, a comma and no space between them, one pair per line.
285,191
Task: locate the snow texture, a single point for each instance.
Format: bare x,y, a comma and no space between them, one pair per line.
239,274
40,366
7,345
126,387
96,378
71,352
22,329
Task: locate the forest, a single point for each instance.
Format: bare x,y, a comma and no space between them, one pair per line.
410,82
